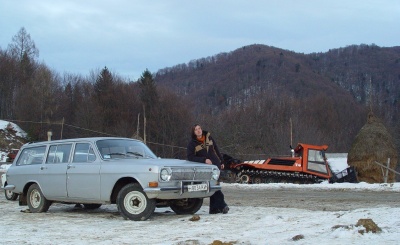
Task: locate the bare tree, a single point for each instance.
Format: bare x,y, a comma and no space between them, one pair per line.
23,44
8,75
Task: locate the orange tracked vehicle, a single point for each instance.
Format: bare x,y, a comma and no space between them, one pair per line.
307,164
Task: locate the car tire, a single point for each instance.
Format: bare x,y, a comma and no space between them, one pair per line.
91,205
11,196
133,203
187,206
37,203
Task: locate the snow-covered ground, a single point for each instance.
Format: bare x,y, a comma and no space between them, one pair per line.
65,224
15,127
3,156
18,132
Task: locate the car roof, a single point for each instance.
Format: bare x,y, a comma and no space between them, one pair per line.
90,139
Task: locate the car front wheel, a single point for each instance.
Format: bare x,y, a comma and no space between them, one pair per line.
187,206
10,195
133,203
37,203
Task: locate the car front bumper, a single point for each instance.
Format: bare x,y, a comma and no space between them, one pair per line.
181,191
9,187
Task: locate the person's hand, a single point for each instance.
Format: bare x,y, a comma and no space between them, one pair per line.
208,161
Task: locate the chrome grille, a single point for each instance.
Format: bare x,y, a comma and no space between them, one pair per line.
191,173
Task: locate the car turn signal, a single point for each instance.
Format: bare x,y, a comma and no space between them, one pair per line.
153,184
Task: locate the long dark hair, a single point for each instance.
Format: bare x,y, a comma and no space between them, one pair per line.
192,131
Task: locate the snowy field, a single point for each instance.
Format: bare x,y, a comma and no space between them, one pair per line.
66,224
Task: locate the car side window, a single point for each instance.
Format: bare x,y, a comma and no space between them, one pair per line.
33,155
59,153
84,153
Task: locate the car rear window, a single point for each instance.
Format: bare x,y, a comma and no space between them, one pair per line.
84,153
59,153
32,155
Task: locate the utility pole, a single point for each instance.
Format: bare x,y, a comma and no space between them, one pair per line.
62,128
144,124
137,128
291,132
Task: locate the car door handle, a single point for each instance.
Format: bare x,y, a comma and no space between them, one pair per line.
70,166
42,168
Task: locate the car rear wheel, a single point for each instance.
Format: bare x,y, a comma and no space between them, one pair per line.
37,203
187,206
10,195
133,203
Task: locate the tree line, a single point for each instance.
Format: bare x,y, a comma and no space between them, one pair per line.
254,111
101,104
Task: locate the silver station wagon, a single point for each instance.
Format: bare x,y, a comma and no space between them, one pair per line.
96,171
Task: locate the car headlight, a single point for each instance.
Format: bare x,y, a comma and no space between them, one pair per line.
165,174
215,174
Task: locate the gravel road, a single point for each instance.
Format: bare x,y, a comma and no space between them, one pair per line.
310,199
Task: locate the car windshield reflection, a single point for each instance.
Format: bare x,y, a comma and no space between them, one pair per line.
123,148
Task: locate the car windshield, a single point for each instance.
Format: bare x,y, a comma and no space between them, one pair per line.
123,148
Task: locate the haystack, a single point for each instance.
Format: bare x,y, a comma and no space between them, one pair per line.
373,144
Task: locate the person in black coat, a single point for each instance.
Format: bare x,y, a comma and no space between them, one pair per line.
203,148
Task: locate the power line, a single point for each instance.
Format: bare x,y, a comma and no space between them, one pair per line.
95,131
180,147
60,123
85,129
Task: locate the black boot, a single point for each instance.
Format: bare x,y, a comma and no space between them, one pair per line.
225,210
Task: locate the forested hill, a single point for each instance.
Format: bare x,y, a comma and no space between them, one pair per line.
366,71
256,100
335,88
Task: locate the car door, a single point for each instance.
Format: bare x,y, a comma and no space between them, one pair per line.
29,168
83,174
54,179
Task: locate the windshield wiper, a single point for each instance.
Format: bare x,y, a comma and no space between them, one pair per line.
135,154
117,153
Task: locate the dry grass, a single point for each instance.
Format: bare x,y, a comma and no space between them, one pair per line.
373,143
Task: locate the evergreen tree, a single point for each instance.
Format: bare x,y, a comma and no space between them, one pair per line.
150,99
148,93
104,92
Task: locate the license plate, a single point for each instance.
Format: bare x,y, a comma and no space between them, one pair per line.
199,187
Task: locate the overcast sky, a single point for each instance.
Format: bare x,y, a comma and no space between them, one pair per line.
128,36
